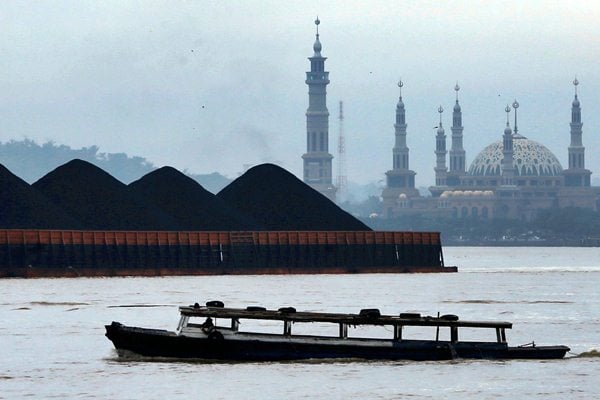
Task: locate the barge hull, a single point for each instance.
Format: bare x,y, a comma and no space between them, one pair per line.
51,253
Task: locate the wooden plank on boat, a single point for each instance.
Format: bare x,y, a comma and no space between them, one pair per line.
350,319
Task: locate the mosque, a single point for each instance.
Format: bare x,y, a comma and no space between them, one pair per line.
513,177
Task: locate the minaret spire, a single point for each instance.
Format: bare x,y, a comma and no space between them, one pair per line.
400,187
317,160
515,105
457,152
508,170
576,174
440,169
317,46
400,151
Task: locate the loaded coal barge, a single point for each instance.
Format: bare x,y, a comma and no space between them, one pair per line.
199,336
60,253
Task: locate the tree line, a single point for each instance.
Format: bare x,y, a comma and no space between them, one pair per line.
30,161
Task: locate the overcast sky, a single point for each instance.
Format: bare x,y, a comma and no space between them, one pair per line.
211,86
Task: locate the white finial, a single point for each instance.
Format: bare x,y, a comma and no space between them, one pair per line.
515,105
456,89
507,110
317,46
575,83
440,110
400,84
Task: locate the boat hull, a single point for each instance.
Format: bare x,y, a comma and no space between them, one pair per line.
166,344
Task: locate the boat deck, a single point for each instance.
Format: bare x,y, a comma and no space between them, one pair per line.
349,319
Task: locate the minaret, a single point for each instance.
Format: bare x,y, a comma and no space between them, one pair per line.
441,171
508,169
400,150
457,153
400,179
576,174
317,160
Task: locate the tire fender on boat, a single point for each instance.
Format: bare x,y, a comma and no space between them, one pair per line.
449,317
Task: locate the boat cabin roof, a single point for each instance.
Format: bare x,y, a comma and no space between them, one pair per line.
350,319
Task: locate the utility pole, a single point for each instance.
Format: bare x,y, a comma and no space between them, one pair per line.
341,180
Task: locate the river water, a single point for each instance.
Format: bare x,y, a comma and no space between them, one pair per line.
52,343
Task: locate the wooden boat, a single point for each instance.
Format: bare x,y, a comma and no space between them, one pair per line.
199,336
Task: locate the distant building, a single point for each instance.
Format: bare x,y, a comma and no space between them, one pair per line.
317,160
514,177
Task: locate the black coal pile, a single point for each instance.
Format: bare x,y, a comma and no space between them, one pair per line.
279,201
194,208
23,207
99,201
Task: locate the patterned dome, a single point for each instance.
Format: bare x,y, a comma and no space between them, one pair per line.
531,159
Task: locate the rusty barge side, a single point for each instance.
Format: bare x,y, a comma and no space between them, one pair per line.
59,253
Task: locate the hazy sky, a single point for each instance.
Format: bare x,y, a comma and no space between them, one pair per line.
210,86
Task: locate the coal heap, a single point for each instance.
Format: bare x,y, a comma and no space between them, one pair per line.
23,207
100,201
194,208
279,201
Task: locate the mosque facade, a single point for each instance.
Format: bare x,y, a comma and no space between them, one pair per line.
513,177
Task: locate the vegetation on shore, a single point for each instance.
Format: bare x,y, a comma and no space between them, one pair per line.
567,226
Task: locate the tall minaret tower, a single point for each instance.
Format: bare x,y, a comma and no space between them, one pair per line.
400,150
508,168
400,179
317,160
441,171
576,174
457,153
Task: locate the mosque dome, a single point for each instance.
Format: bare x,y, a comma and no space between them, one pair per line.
530,159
